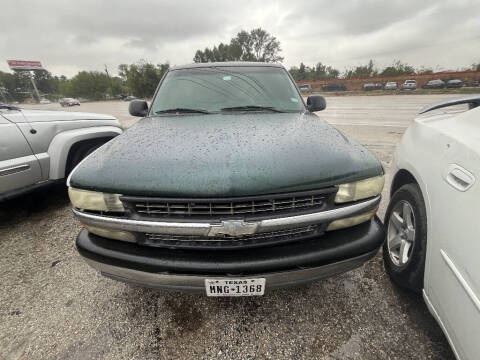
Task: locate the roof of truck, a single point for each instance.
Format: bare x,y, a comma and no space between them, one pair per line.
226,64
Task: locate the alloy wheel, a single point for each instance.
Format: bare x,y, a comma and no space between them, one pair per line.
401,233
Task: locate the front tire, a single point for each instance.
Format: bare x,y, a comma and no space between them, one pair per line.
405,246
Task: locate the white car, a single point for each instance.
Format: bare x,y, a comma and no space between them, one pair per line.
409,85
432,222
391,85
69,102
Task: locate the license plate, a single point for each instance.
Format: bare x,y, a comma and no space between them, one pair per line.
235,287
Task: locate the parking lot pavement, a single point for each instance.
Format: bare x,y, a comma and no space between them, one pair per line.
53,306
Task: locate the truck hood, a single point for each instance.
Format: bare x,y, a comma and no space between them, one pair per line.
222,155
51,115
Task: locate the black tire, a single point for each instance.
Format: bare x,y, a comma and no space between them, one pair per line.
410,274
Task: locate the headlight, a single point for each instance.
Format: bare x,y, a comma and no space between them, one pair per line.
92,200
360,189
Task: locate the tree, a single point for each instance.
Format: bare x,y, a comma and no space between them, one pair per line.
143,77
317,72
88,84
256,45
398,68
16,86
321,71
46,83
298,73
117,86
332,73
363,71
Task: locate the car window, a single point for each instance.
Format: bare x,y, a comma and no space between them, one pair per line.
214,89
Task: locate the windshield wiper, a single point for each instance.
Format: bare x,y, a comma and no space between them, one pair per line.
182,110
251,108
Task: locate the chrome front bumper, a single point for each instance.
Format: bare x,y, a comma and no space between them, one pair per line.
229,227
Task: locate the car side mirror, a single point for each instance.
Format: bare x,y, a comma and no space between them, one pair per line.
138,108
316,103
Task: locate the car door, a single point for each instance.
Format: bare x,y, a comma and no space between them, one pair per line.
453,273
18,165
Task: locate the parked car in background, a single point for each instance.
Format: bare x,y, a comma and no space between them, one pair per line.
334,87
129,98
431,244
69,102
305,88
391,85
219,191
372,86
40,147
409,85
473,83
434,84
44,101
454,83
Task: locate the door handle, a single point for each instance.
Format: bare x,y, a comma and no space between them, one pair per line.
458,177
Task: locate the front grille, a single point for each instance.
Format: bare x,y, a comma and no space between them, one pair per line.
227,241
228,207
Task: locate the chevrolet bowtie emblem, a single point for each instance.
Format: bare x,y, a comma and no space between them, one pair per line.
233,228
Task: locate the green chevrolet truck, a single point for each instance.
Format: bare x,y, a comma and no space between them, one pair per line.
229,185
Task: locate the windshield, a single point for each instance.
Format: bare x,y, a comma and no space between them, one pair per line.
242,88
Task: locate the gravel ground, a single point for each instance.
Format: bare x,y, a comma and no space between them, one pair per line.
53,306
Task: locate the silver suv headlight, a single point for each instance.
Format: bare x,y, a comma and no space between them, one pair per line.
360,189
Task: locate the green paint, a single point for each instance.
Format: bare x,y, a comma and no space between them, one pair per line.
221,155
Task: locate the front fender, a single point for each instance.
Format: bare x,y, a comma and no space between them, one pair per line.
60,145
412,154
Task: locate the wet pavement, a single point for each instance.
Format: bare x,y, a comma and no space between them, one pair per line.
53,306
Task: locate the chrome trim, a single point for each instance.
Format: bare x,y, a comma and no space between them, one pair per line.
228,227
14,169
233,228
197,282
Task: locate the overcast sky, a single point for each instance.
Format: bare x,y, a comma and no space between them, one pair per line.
68,36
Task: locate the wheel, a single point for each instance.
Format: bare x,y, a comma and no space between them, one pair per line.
405,245
79,154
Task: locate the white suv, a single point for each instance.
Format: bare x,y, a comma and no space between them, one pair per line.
409,85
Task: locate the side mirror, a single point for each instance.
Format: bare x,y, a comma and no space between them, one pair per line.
316,103
138,108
